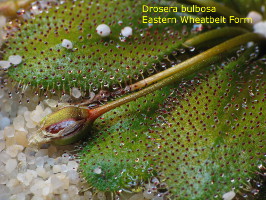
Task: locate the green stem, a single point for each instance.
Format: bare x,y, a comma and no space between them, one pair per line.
186,65
214,34
177,72
221,9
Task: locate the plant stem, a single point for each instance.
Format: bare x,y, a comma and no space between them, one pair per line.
177,72
239,40
214,34
221,9
199,39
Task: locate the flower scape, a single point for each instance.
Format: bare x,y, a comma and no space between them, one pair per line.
96,104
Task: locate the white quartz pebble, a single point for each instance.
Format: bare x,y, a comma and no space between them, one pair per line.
56,169
27,177
22,110
4,192
5,64
37,186
15,59
21,157
3,179
72,165
41,172
88,195
39,161
46,190
9,131
41,152
73,190
229,195
2,145
2,134
27,115
260,27
21,137
103,30
138,196
11,164
2,93
55,182
256,17
67,44
76,92
148,194
73,176
51,103
64,179
4,157
97,170
4,122
19,123
127,31
20,196
13,150
64,196
101,196
30,124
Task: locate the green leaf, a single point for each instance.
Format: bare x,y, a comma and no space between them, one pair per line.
213,140
94,62
119,145
205,138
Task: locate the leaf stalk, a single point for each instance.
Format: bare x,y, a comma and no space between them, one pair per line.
177,72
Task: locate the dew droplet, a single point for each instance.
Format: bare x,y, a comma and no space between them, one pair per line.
191,49
122,39
21,12
182,51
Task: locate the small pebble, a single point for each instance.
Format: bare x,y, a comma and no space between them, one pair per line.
19,123
101,196
2,134
41,172
2,93
11,164
3,179
15,59
76,92
260,28
9,132
148,194
103,30
256,17
97,170
127,31
2,145
4,64
229,195
4,122
56,169
67,44
13,150
51,103
138,196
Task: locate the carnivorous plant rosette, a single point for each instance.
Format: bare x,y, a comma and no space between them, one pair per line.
177,109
